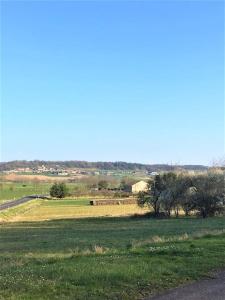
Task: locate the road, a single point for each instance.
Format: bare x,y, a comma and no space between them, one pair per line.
206,289
13,203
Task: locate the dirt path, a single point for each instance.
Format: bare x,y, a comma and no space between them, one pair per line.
206,289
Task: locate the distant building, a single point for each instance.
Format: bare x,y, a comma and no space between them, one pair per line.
62,173
154,174
140,186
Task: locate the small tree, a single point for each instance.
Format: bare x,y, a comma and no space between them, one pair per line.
180,194
186,200
208,196
58,190
124,186
152,196
168,196
103,185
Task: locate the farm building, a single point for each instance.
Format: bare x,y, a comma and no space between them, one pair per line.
140,186
154,174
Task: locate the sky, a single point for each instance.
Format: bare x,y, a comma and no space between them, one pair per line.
135,81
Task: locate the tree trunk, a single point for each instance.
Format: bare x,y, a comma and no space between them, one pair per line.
156,210
204,214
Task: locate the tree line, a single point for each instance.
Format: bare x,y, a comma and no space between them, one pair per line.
120,165
203,194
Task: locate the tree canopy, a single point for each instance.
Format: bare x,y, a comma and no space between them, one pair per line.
58,190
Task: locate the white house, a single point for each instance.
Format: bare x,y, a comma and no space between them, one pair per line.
140,186
154,173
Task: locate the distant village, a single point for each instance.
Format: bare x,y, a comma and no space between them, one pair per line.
43,170
59,171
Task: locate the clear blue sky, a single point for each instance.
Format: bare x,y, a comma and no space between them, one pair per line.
113,80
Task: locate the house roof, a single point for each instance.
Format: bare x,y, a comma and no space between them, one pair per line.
141,181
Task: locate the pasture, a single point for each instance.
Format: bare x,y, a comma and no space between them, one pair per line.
37,210
14,190
106,258
67,249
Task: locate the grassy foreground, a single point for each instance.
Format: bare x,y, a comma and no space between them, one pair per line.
106,258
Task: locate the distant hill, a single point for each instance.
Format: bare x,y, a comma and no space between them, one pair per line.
6,166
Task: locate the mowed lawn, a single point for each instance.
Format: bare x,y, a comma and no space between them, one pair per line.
106,258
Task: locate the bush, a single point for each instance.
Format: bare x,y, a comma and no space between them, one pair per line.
58,190
103,185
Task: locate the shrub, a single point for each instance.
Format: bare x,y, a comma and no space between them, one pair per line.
103,185
58,190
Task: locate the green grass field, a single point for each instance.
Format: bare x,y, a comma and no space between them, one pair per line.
67,202
106,258
11,191
47,251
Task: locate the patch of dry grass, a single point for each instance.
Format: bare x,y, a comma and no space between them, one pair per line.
41,178
183,237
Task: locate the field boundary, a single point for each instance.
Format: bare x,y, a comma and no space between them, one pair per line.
22,200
